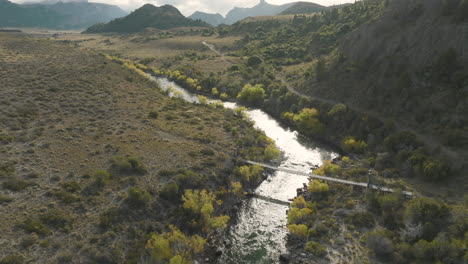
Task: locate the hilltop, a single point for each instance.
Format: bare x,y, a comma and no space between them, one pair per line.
303,8
164,17
212,19
261,9
57,15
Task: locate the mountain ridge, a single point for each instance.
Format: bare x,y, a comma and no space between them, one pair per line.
60,15
163,17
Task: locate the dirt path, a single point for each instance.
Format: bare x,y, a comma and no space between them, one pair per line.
428,140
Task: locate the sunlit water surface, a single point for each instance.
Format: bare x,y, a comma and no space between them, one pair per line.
259,235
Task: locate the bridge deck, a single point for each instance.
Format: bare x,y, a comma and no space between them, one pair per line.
361,184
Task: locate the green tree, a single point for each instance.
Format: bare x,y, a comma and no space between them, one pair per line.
252,95
307,121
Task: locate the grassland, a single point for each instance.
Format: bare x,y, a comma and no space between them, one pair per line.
68,114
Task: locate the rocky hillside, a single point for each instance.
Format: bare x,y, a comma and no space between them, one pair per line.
148,16
60,15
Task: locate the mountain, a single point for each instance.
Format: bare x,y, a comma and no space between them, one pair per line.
262,9
303,8
164,17
69,15
212,19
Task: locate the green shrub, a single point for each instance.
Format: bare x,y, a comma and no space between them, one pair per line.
315,249
128,165
431,214
12,259
328,169
138,198
315,186
361,219
351,145
35,226
252,95
5,199
57,219
16,184
67,197
72,186
153,115
435,170
254,61
101,178
207,151
298,215
307,121
170,191
380,244
250,173
271,152
298,230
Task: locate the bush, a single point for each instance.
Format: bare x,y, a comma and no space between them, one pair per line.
66,197
431,214
174,246
153,115
381,245
315,249
128,165
57,219
5,199
250,173
361,219
316,186
138,198
200,204
298,230
35,226
298,215
307,121
435,170
16,184
328,169
351,145
252,95
271,153
12,259
71,186
254,61
170,191
101,178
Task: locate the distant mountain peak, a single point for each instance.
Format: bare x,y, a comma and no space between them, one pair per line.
148,16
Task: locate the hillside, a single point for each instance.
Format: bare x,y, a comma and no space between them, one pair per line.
261,9
70,15
94,156
303,8
212,19
420,82
164,17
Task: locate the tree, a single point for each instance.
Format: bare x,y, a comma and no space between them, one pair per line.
174,247
252,95
307,121
200,204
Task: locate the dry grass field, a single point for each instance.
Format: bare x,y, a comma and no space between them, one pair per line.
65,114
162,48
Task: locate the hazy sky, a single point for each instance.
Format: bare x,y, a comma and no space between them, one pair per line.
187,7
211,6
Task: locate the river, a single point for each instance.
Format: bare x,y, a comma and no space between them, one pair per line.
259,235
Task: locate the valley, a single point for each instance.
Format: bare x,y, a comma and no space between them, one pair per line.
129,140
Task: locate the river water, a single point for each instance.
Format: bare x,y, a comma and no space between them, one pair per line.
259,235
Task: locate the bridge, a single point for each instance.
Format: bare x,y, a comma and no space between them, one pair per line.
330,179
